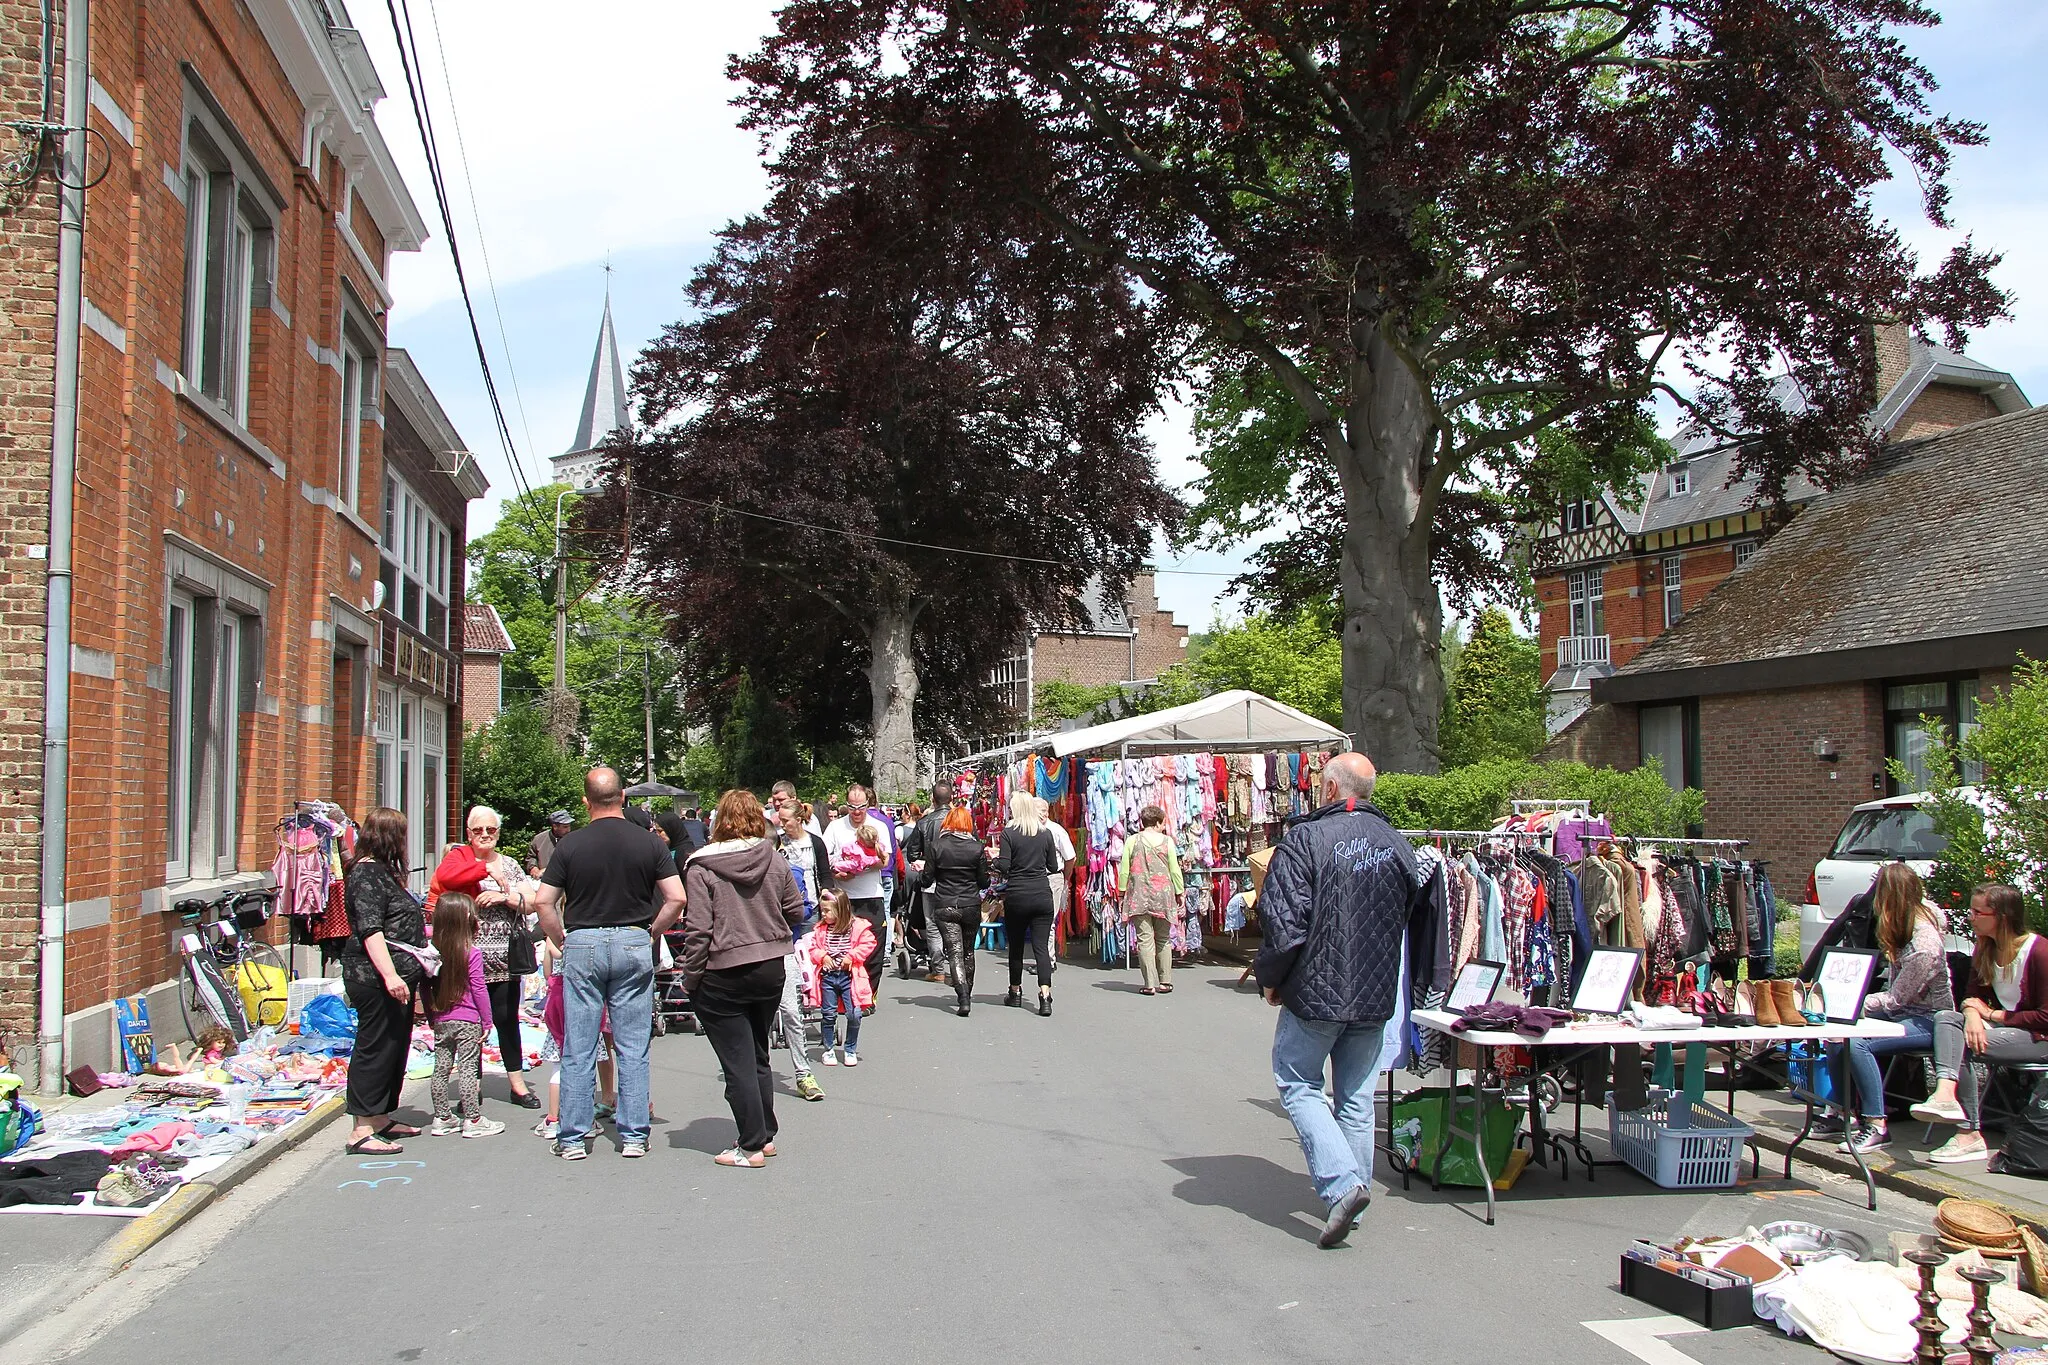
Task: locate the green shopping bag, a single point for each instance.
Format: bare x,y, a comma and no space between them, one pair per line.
1420,1118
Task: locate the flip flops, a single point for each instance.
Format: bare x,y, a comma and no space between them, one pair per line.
361,1146
734,1156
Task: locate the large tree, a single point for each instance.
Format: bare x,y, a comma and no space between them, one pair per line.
1458,236
899,431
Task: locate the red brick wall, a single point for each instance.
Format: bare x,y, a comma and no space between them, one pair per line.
1940,407
480,676
1093,660
1605,736
1764,782
1633,598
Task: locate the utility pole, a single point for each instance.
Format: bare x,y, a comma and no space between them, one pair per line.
647,711
561,715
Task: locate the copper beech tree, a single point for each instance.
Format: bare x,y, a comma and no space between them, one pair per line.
896,433
1456,235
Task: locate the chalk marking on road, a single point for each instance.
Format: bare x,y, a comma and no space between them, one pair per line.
1643,1338
373,1184
385,1165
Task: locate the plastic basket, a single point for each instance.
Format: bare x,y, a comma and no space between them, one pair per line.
299,992
1705,1156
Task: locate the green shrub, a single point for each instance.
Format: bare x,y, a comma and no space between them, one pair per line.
2003,835
1475,797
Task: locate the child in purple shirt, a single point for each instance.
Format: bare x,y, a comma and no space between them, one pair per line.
459,1008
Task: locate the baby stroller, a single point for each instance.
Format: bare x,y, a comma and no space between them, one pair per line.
912,956
778,1036
672,1011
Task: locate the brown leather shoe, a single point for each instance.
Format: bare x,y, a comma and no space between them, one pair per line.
1785,996
1766,1004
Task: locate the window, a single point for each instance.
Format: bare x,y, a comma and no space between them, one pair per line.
1909,707
1668,739
357,367
1681,480
227,264
384,731
1745,550
418,562
1674,590
1588,603
1579,514
212,654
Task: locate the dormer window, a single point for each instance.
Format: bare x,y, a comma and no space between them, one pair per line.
1579,515
1681,480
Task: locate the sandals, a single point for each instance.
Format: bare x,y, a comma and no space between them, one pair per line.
1148,990
395,1129
361,1146
734,1156
768,1150
1166,990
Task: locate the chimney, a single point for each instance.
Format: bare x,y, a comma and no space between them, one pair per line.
1894,354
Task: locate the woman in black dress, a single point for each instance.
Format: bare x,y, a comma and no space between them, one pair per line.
956,870
1027,862
379,976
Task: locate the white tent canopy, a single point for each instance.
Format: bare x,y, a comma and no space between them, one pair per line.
1238,718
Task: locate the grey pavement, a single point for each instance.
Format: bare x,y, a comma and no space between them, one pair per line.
1115,1182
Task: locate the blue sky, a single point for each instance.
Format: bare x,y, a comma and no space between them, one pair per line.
626,151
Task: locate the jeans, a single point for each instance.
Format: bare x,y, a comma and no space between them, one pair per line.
2004,1045
1155,950
1336,1136
606,969
837,990
791,1012
1857,1060
876,912
735,1006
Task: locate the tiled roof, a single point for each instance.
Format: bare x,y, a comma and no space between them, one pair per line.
483,632
1941,540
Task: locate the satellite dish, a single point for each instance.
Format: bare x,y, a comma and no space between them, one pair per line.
377,596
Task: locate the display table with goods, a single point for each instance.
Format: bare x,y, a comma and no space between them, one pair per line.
1675,1139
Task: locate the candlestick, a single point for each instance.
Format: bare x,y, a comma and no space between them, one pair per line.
1982,1348
1928,1324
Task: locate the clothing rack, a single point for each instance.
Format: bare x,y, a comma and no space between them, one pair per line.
1581,807
1529,834
1682,843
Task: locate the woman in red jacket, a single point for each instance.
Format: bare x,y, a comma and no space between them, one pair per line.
2004,1018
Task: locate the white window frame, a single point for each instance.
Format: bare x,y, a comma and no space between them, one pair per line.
229,239
1745,550
207,644
179,622
1681,480
418,559
349,465
1672,570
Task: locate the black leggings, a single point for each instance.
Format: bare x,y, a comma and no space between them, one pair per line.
376,1070
957,923
1033,921
505,1014
734,1007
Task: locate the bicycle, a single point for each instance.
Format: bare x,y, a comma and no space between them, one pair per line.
219,959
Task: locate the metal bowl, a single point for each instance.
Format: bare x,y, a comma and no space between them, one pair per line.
1804,1243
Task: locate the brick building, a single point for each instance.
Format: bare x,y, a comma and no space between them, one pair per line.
228,625
485,643
1909,592
1613,572
1129,642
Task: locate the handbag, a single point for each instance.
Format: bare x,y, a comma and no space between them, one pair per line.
520,957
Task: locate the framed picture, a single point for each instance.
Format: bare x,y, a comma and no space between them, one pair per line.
1476,983
1844,979
1604,986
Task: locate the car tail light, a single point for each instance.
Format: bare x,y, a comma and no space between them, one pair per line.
1812,890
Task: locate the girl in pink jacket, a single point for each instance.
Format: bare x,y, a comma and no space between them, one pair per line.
839,949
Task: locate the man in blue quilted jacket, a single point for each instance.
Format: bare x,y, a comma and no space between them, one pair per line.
1341,893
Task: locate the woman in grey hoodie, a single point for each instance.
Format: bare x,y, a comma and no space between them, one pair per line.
741,906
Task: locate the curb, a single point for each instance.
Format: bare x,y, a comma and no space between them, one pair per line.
1931,1186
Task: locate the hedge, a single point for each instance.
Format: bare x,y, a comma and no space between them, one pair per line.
1477,796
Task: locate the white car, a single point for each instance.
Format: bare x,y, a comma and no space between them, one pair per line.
1898,828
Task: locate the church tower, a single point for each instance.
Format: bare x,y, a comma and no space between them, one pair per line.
604,410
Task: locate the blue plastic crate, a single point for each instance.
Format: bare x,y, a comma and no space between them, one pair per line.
1705,1156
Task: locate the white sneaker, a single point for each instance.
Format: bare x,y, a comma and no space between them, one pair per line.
1929,1112
1962,1147
447,1127
831,1058
852,1057
547,1128
482,1128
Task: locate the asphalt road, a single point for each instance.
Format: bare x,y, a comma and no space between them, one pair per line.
1117,1182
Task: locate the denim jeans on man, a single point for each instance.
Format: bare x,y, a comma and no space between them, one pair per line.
1862,1055
836,989
606,969
1336,1137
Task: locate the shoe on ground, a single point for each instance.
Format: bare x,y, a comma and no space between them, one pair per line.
866,1010
527,1101
1962,1147
807,1087
482,1128
960,1010
632,1149
935,976
1866,1137
831,1057
575,1151
852,1057
604,1111
1338,1226
1828,1125
547,1128
1929,1112
447,1127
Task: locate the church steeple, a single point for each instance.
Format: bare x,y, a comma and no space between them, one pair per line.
604,397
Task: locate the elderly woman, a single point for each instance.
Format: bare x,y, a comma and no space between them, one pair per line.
741,908
503,896
380,974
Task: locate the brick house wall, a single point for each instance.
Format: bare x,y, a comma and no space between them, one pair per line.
1765,784
1940,408
482,681
178,494
28,330
1095,660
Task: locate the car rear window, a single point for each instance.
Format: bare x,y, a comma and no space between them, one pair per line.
1897,832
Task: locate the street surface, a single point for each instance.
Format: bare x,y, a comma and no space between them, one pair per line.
1115,1183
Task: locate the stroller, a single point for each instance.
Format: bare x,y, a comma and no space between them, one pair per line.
672,1010
778,1036
913,958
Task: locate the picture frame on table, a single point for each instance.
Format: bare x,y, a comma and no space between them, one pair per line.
1477,981
1605,984
1843,979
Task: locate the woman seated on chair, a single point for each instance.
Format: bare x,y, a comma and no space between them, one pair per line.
2004,1018
1909,934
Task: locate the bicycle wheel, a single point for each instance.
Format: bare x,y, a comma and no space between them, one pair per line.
191,1006
270,970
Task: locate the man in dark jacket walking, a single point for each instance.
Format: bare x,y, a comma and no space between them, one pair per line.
918,848
1342,891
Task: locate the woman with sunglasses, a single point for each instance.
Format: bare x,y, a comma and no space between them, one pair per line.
2004,1018
503,896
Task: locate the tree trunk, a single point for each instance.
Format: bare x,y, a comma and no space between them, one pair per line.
1393,616
892,677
